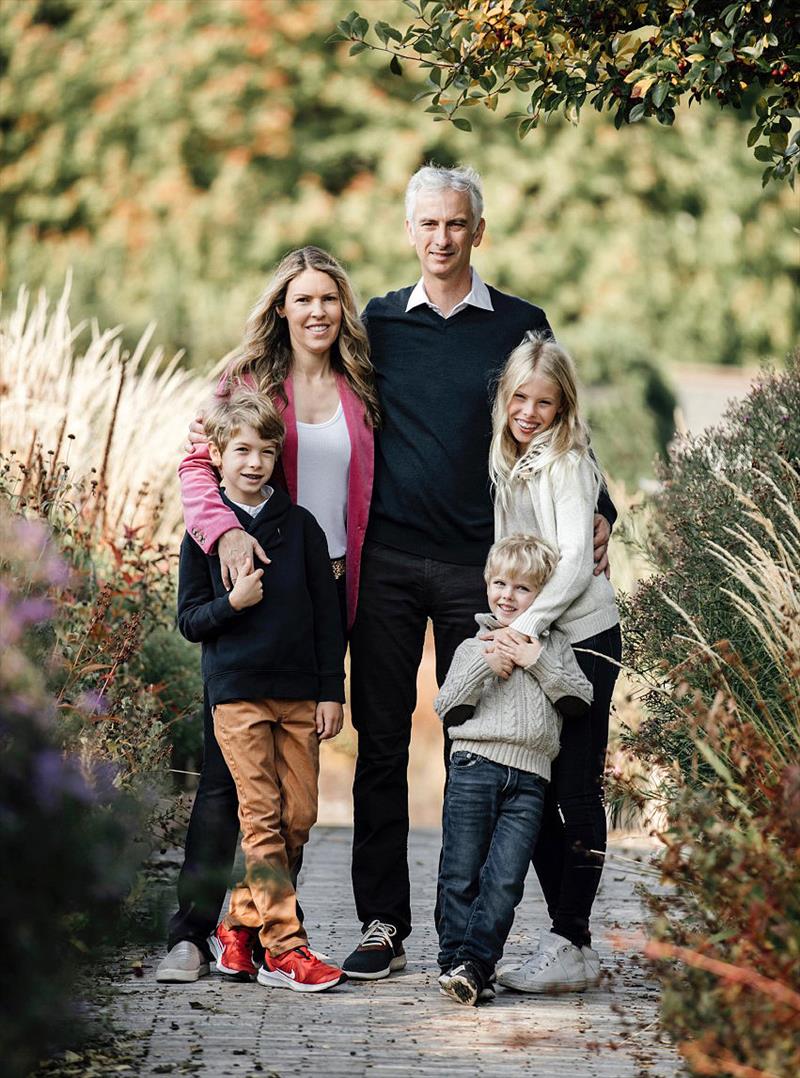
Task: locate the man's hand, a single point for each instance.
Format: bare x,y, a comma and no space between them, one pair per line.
197,433
498,663
520,654
602,533
237,551
247,591
329,718
505,635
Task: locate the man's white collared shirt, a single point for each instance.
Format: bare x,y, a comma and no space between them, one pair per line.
478,296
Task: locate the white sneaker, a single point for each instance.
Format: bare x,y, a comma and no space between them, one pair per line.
184,963
591,960
557,966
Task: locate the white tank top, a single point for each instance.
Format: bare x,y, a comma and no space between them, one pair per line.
323,473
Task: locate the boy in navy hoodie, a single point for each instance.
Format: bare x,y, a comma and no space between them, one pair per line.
273,668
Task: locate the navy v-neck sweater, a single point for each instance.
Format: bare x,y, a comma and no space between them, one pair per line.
435,377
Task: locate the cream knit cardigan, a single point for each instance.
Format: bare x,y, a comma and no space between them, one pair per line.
560,502
515,721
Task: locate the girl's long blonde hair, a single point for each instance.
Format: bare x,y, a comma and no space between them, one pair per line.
538,355
266,351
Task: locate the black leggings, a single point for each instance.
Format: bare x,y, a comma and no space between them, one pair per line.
568,869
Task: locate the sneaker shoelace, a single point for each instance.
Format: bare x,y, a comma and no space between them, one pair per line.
379,934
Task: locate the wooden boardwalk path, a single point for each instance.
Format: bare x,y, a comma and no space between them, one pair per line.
403,1026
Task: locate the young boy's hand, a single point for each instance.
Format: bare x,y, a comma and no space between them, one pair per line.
497,662
247,591
521,653
329,719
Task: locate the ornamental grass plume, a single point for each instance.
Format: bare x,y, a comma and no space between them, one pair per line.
122,417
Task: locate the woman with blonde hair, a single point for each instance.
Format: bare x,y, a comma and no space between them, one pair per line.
304,348
546,483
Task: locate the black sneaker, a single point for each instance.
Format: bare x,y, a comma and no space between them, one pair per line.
377,955
463,983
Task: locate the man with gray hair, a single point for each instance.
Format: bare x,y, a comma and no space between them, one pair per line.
437,347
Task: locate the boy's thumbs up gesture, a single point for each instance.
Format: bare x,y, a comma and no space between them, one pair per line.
248,589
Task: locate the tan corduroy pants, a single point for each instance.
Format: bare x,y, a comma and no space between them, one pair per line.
272,750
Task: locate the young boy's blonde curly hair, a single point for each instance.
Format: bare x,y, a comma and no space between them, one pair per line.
522,557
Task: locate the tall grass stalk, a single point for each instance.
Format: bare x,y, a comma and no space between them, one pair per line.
123,417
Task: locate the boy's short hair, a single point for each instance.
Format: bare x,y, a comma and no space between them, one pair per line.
243,408
522,557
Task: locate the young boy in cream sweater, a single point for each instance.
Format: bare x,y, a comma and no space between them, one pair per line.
499,766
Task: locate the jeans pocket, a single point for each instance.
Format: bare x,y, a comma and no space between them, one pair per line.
462,760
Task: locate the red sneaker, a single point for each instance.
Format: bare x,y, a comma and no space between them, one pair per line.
233,950
300,970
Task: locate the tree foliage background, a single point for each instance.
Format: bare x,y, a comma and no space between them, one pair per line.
171,151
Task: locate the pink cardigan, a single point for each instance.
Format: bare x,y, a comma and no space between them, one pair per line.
207,517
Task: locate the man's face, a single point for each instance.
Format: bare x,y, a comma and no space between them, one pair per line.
442,233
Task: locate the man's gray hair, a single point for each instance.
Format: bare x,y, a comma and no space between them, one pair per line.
438,178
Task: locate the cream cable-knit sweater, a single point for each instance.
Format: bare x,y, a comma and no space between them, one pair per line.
514,722
557,504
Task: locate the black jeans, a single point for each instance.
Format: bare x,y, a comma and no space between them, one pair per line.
568,872
212,837
398,593
210,846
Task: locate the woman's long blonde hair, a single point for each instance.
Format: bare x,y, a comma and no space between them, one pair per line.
266,352
538,355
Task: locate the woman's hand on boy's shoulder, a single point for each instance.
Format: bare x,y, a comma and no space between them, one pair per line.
329,719
237,550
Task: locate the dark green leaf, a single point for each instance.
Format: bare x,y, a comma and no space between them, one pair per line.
461,124
358,47
659,94
762,153
753,135
637,112
394,66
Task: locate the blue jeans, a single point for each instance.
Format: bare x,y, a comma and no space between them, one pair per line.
490,826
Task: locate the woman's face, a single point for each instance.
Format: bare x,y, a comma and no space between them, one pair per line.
313,313
533,408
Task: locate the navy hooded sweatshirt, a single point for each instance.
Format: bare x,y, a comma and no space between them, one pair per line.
287,646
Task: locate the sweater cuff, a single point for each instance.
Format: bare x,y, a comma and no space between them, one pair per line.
331,687
222,613
530,625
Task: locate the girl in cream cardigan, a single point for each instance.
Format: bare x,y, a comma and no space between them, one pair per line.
546,483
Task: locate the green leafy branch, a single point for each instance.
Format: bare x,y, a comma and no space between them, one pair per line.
637,60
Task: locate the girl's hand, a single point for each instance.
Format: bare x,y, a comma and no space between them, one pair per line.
504,635
521,654
329,718
247,591
498,663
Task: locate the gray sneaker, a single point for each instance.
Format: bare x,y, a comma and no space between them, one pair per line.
184,963
557,966
591,960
